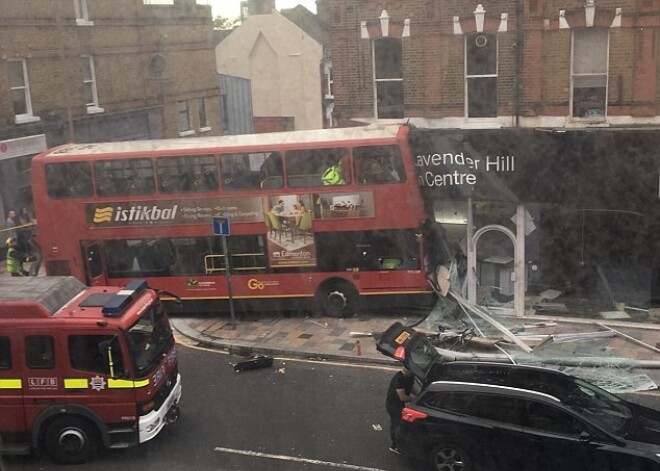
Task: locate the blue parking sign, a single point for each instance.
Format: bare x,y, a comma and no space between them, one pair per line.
220,226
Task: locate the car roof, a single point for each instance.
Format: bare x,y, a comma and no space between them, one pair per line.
449,386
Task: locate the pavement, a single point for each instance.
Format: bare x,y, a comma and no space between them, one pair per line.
352,339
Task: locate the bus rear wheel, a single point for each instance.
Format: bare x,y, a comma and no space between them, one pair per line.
338,298
71,440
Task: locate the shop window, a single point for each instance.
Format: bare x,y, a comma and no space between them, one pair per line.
388,78
589,77
481,75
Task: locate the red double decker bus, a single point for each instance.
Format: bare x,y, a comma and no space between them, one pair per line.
331,216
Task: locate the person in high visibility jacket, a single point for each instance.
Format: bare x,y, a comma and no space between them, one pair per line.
16,259
333,175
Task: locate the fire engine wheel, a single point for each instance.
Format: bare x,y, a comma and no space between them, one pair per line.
71,440
338,298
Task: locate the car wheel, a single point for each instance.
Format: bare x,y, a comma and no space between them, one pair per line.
338,298
71,440
449,457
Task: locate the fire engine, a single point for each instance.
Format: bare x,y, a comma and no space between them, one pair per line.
83,368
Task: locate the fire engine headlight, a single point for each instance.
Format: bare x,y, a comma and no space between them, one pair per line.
153,426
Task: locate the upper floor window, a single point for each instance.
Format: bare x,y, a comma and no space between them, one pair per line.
481,75
183,117
388,78
187,173
20,91
203,119
589,72
89,83
82,13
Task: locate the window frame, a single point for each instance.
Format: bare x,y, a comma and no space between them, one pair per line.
28,116
82,13
203,116
386,42
473,77
182,112
90,81
604,74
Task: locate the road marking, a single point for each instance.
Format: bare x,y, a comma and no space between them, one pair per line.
294,458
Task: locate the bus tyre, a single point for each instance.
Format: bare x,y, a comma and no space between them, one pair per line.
338,298
71,440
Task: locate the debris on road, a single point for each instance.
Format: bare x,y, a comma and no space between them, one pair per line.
253,363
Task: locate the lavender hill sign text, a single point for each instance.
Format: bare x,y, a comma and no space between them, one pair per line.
441,169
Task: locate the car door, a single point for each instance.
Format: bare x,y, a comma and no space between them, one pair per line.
12,414
410,347
558,440
493,424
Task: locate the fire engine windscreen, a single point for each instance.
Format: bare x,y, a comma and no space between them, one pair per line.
149,338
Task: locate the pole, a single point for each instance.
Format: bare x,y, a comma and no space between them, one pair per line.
232,323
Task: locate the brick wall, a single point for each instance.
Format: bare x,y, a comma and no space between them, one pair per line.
433,56
124,37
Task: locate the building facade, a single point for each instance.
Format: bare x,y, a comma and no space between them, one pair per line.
528,63
282,63
538,137
92,70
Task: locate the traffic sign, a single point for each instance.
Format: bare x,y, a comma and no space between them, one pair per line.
220,226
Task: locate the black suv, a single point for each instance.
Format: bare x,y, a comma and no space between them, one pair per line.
497,416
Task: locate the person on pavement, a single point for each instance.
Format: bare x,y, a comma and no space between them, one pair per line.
16,259
398,393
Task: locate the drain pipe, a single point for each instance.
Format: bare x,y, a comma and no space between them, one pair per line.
519,52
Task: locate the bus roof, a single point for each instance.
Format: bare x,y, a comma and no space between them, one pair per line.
371,132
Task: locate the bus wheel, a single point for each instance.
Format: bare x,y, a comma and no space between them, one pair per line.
71,440
337,298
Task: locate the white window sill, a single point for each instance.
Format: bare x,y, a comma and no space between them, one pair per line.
83,22
95,110
205,129
186,133
24,118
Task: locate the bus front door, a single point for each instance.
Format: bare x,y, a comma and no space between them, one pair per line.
95,272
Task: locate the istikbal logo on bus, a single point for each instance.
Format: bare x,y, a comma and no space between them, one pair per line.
134,214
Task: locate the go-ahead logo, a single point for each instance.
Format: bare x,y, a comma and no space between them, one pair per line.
139,213
257,284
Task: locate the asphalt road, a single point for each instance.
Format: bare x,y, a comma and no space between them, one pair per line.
293,416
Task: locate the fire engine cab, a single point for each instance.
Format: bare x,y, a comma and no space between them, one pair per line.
83,368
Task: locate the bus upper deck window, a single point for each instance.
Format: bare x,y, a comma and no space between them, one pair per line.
69,180
124,177
187,173
378,164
